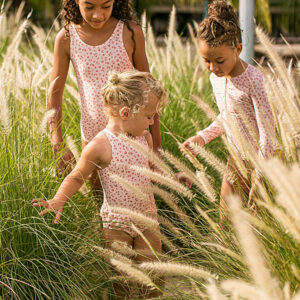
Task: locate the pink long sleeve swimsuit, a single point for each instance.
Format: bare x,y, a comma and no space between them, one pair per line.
245,113
115,195
92,65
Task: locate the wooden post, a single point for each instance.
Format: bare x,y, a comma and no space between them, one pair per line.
246,15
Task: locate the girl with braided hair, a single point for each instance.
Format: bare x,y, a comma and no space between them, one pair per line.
241,98
99,36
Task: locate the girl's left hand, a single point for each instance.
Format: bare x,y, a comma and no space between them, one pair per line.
52,205
182,178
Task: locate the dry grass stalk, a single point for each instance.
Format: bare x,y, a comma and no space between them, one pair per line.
149,223
134,273
210,158
167,181
108,254
153,158
177,270
214,292
256,263
245,290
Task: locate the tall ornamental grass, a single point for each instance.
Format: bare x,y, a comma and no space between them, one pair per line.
257,257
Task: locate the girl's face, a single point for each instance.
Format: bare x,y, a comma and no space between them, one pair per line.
222,60
95,12
136,124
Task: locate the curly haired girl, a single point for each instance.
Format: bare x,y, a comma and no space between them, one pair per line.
99,36
241,98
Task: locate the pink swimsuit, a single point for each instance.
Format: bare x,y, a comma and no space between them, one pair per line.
242,102
92,65
115,195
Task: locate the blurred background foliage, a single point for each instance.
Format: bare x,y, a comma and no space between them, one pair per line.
277,16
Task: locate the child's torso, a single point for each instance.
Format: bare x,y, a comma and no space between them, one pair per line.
92,65
233,98
124,157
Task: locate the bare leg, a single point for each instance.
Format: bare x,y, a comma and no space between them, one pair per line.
147,255
239,187
95,181
122,291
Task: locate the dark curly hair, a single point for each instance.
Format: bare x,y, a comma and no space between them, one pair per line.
122,10
221,25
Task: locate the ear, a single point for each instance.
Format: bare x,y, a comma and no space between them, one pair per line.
239,48
125,113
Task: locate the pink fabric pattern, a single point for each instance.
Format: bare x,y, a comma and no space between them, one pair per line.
92,65
115,195
245,111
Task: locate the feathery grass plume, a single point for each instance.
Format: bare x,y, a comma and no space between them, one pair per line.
177,270
277,61
153,158
12,48
170,38
288,191
214,292
165,180
168,198
239,288
44,51
291,227
202,184
148,222
124,249
207,188
47,115
129,186
254,258
134,273
5,120
205,107
210,158
108,254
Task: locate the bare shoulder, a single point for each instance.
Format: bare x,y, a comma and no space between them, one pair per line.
99,150
148,138
62,41
137,30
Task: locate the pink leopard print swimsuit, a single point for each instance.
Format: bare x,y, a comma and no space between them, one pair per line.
92,65
115,195
244,108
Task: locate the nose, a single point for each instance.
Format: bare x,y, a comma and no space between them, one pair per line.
98,15
213,67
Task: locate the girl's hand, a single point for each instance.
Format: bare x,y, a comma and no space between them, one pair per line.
197,139
52,205
182,178
67,161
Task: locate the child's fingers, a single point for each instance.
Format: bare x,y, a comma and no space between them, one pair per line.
57,217
39,202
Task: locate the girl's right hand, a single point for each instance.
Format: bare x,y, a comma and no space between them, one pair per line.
67,161
52,205
197,139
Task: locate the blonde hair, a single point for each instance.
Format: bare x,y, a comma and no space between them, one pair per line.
132,88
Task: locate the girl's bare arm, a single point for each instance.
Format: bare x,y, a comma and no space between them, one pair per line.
58,79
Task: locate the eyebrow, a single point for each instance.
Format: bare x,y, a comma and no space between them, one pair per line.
106,2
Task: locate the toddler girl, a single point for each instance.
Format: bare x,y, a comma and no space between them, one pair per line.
132,99
99,36
245,113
